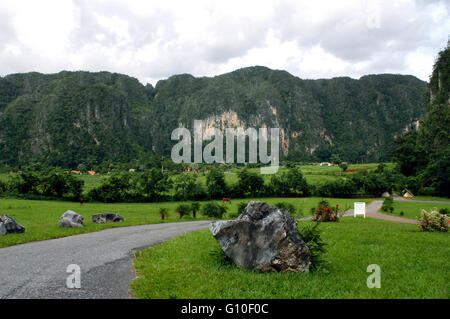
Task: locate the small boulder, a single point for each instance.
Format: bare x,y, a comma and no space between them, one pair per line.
265,238
10,226
106,218
71,219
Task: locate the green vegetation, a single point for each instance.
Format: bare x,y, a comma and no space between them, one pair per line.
413,265
424,155
412,210
106,121
40,218
433,221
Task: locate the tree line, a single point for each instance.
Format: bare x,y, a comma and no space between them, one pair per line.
155,185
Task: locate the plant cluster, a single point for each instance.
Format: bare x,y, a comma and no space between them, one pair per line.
325,213
433,221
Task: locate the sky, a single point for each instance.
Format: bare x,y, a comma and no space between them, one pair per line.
152,40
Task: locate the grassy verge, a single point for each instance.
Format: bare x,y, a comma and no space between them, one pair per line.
432,198
40,218
413,265
412,210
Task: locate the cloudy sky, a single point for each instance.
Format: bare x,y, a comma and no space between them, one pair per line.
152,40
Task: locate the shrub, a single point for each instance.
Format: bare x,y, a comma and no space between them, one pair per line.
164,213
325,213
339,188
427,191
311,235
195,207
214,210
183,210
287,206
387,204
433,221
444,211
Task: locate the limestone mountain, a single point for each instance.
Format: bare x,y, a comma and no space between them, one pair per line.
73,118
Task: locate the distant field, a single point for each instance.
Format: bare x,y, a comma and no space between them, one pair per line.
40,218
412,210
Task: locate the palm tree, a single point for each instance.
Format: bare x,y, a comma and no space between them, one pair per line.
195,207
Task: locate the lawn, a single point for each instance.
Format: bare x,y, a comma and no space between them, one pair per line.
40,218
413,265
412,210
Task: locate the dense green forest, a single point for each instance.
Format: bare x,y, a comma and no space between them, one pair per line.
424,155
90,119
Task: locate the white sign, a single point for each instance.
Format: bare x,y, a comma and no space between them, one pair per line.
360,209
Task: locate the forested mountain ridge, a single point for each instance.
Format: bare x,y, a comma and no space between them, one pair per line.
424,155
73,118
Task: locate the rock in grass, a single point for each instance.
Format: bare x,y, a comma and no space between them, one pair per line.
106,218
265,238
71,219
10,226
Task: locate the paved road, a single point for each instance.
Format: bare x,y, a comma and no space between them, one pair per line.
38,269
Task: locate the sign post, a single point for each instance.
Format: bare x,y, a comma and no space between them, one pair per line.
360,209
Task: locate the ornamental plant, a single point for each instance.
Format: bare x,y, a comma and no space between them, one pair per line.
325,213
433,221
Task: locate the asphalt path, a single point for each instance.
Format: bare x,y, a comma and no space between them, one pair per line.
39,269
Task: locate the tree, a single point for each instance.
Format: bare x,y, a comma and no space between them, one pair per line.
215,183
214,210
249,183
154,182
289,183
183,210
335,159
195,207
163,212
186,187
343,167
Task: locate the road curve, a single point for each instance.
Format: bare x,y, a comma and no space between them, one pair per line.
38,269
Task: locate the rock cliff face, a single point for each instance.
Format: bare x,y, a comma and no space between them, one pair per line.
80,117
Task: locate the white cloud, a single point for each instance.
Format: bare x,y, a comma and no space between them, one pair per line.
151,40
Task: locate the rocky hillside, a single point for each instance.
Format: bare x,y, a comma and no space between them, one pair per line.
70,118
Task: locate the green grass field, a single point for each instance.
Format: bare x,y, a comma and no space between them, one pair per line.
412,210
40,218
413,265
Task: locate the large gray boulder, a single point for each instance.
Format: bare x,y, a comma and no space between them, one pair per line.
9,226
106,218
71,219
263,237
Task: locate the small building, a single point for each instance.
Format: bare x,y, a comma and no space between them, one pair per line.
91,172
407,194
187,169
325,164
76,172
132,170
